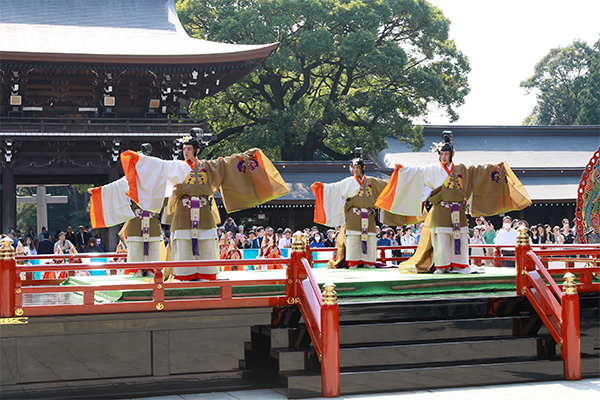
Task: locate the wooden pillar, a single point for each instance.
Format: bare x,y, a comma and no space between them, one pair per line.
8,204
42,208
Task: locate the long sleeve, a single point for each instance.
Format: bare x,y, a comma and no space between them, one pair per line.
151,179
409,187
330,199
249,179
496,189
110,205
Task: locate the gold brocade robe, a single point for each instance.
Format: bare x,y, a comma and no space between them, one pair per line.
482,190
133,227
243,180
364,198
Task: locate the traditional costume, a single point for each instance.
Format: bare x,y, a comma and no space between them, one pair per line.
270,249
244,181
232,253
110,206
352,202
453,191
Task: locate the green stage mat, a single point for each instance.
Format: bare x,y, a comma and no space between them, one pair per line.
350,284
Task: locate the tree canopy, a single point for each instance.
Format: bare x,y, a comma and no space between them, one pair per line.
566,82
346,74
589,98
74,213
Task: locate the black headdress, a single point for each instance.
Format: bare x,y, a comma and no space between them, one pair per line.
358,159
447,137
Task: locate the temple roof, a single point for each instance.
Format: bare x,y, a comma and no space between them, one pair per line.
109,32
548,160
556,147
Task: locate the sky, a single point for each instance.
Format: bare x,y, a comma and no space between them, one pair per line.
503,41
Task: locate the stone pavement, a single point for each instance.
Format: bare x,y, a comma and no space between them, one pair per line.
586,389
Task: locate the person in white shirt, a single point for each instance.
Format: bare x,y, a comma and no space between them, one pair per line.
29,247
286,241
507,235
408,240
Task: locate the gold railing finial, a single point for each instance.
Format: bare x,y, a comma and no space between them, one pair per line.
522,237
6,251
329,295
300,241
569,285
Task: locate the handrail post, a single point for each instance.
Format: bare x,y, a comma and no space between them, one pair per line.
8,268
330,323
497,255
521,249
293,271
570,329
310,254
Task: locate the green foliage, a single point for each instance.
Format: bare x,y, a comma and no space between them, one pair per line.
560,81
589,98
73,213
347,73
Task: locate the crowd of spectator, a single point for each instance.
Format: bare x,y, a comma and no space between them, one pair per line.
483,232
254,237
62,242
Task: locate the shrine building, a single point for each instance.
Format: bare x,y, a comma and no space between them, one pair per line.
83,81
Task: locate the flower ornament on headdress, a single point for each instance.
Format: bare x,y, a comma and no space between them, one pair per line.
436,147
184,139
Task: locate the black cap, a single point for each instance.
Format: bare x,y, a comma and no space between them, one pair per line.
447,137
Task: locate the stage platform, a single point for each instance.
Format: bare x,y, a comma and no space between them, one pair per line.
359,284
397,332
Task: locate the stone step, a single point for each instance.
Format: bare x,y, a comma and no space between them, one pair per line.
424,353
506,371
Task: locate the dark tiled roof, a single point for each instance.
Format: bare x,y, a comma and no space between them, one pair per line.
106,27
525,146
548,160
299,180
537,154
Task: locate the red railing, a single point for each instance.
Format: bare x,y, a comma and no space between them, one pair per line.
321,316
558,305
